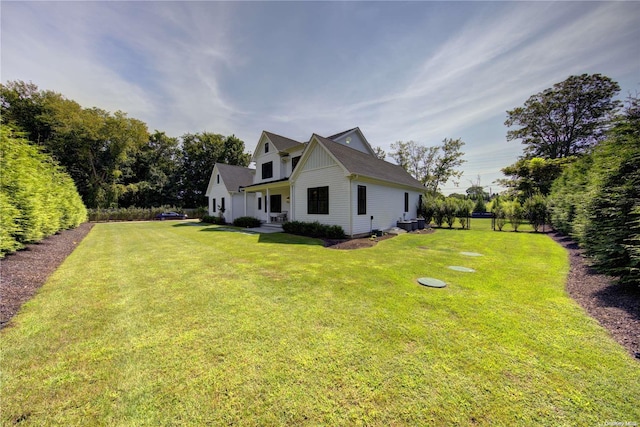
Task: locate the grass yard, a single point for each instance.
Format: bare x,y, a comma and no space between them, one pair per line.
162,323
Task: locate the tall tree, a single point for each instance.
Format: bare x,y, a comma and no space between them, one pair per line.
527,177
154,173
200,152
567,119
379,153
433,166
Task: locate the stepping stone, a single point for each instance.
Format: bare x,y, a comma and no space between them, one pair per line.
463,269
471,254
431,282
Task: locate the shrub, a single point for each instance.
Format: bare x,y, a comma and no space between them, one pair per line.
38,197
246,222
314,229
497,209
463,212
514,213
438,212
131,213
535,210
429,207
450,209
210,219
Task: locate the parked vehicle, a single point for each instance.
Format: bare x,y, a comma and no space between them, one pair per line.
170,215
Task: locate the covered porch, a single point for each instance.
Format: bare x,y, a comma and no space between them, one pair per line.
273,201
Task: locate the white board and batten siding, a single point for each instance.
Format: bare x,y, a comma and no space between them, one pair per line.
217,192
320,170
233,202
384,203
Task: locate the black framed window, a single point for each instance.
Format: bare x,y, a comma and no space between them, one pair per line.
266,147
276,203
318,200
267,170
214,205
362,200
406,202
218,179
294,162
222,208
259,203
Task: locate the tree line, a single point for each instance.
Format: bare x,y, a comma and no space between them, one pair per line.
579,172
581,164
113,159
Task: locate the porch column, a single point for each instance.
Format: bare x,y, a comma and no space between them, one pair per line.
291,204
245,202
267,204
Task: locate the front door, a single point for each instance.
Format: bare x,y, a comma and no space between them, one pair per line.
275,200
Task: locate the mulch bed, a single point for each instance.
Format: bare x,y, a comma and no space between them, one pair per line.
365,242
22,273
616,307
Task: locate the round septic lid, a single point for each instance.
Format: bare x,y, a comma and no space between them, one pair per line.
431,282
471,253
463,269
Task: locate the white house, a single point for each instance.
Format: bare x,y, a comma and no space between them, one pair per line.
336,180
224,193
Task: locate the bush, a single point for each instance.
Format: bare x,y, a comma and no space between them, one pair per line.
514,213
450,209
438,212
497,209
429,207
535,209
195,213
38,198
314,229
128,214
463,212
246,222
210,219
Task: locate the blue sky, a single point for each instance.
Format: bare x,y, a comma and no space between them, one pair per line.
421,71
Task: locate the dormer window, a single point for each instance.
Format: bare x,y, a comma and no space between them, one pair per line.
266,147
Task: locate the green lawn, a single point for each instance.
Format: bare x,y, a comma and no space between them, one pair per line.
163,323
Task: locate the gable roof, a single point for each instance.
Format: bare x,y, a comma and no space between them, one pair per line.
358,163
357,131
338,135
235,177
282,143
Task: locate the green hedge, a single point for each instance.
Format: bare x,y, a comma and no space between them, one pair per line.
246,222
314,229
210,219
37,197
129,214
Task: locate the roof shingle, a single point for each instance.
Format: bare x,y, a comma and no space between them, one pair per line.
282,143
360,163
235,177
